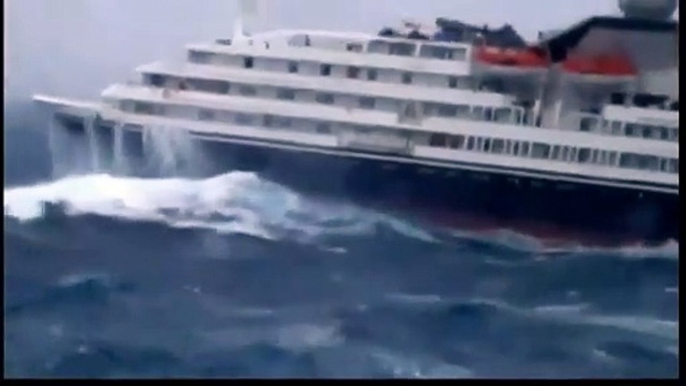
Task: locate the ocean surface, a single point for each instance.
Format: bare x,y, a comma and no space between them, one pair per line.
235,276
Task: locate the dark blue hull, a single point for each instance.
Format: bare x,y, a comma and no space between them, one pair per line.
453,197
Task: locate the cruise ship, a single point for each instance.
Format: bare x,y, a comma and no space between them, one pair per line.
573,134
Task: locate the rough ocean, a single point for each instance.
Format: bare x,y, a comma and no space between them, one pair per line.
235,276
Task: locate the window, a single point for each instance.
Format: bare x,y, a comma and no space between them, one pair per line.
353,47
633,130
206,85
268,121
648,132
478,113
325,70
555,153
584,155
524,149
515,148
572,154
462,111
470,143
616,127
673,166
248,62
442,53
488,114
323,128
487,145
410,110
367,103
156,80
401,49
144,108
438,140
612,158
247,90
540,151
452,82
283,122
447,110
285,94
325,99
206,115
498,146
587,124
407,78
674,134
244,119
663,132
200,57
293,67
353,72
503,115
372,74
456,142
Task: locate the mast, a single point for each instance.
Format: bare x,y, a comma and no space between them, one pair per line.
248,15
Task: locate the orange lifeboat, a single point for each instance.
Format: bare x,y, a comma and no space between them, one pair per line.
608,65
510,57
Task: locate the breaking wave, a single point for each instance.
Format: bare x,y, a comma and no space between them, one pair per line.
234,203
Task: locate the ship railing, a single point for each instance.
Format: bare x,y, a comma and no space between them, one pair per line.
376,142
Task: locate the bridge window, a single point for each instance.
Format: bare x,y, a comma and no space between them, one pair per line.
293,67
146,108
407,78
248,62
372,74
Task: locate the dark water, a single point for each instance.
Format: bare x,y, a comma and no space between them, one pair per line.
233,276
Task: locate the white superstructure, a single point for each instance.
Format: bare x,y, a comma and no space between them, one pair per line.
411,100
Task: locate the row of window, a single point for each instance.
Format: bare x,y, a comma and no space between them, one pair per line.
481,144
503,115
555,152
351,72
628,129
